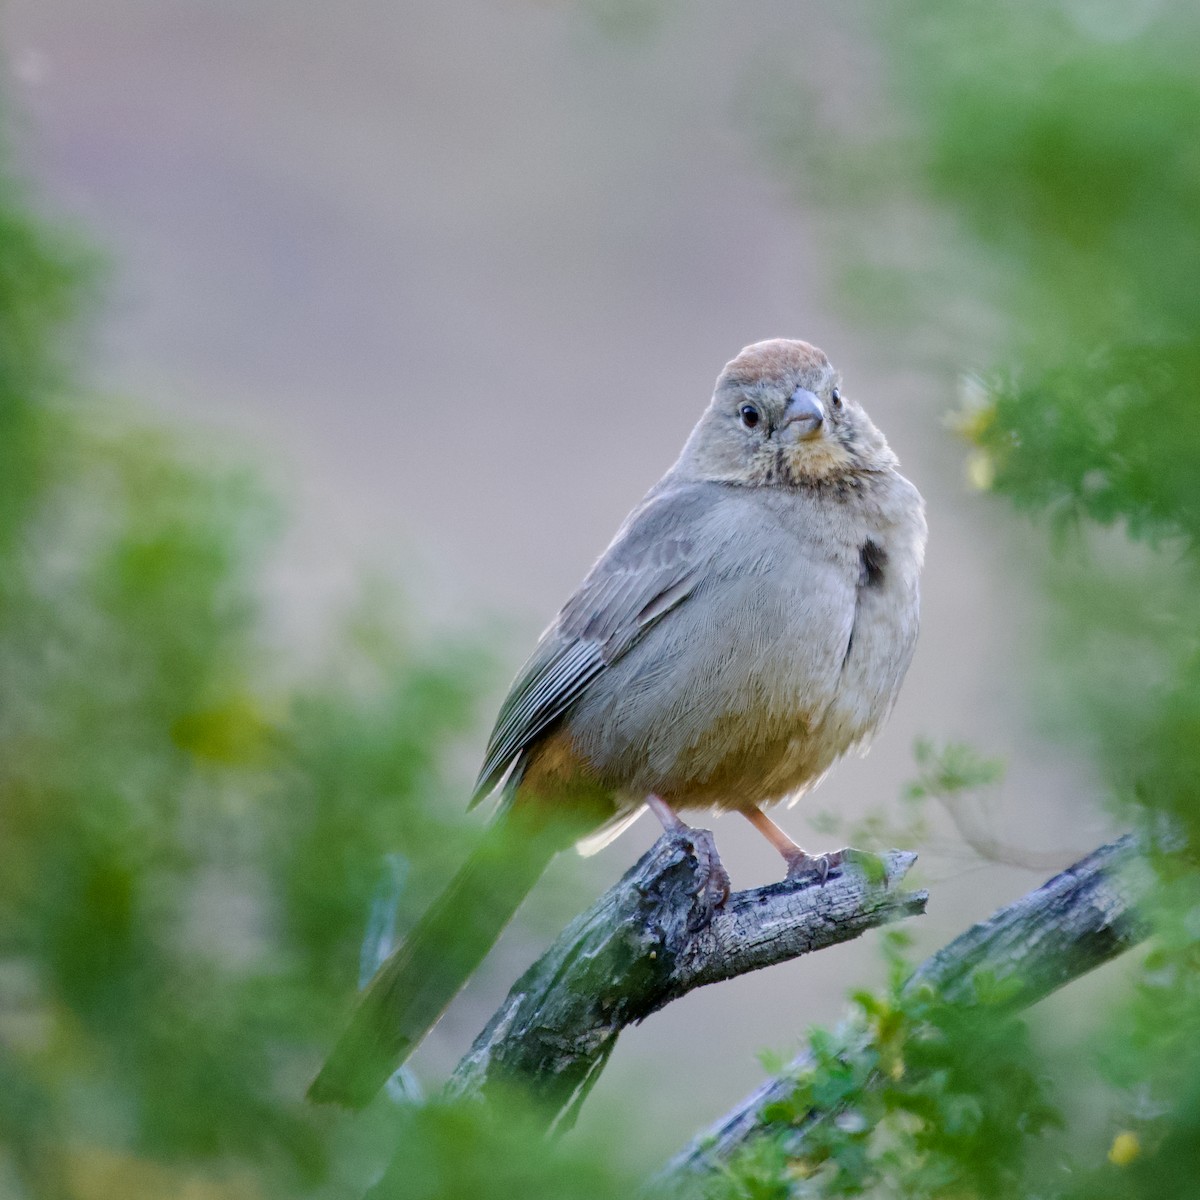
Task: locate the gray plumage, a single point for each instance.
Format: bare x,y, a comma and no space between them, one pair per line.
749,624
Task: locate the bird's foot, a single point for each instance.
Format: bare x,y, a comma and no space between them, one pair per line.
820,866
801,865
713,885
713,882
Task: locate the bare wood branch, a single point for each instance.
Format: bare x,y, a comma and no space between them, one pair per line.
1081,918
651,939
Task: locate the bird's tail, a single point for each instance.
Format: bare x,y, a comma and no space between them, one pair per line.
420,978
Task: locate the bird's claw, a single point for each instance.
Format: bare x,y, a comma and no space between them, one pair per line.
802,865
821,866
713,884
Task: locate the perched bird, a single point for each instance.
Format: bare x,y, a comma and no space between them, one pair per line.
750,623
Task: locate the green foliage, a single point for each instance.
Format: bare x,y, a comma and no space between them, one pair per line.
950,771
917,1098
1108,439
950,775
41,278
153,789
505,1156
1063,145
191,836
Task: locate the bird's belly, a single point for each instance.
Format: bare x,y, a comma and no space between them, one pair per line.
761,771
745,731
759,723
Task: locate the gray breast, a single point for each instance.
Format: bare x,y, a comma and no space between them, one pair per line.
707,708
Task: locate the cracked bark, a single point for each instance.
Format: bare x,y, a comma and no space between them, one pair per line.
649,940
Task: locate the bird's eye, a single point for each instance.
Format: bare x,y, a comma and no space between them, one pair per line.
749,415
836,397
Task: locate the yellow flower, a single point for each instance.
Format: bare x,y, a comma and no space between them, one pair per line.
981,471
1124,1149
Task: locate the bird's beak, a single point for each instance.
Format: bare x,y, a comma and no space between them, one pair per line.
803,416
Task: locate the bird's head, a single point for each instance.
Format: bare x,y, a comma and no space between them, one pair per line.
779,417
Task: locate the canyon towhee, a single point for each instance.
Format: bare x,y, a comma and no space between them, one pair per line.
750,623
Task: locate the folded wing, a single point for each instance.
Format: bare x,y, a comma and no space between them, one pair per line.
652,567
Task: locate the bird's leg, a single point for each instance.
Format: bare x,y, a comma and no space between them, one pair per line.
668,818
714,883
799,861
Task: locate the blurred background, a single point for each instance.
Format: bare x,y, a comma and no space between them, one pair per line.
390,313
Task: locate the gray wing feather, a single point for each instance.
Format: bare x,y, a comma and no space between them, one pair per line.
543,691
650,568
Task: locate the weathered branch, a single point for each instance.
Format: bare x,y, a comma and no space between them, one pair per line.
1081,918
650,940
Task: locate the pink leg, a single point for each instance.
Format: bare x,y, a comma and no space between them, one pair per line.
668,818
799,861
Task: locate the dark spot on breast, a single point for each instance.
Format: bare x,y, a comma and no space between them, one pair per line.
873,560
